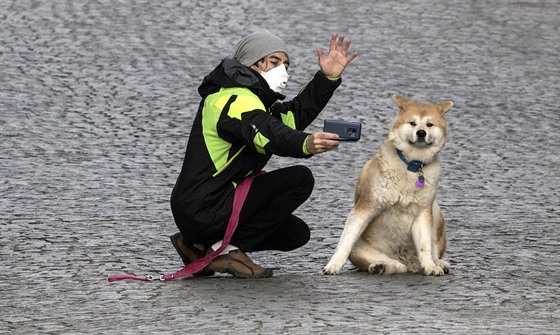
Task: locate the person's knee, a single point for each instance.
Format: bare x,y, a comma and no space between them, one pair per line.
304,237
299,239
305,178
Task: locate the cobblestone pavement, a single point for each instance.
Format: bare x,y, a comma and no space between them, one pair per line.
96,101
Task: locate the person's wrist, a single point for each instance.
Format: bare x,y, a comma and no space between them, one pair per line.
331,77
305,149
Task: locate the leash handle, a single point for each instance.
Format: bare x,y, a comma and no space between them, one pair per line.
239,197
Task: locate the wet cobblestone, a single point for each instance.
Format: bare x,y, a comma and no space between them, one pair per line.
96,100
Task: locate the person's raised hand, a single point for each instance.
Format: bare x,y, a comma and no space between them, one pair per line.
334,63
320,142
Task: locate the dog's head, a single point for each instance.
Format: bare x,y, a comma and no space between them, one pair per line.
420,129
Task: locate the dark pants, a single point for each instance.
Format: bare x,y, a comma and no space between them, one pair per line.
266,221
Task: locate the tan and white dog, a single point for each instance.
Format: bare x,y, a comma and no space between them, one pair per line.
396,225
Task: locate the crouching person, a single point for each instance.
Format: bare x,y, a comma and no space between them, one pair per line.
241,122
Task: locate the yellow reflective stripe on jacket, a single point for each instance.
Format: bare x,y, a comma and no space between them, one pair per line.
214,104
245,102
222,168
218,149
260,141
288,119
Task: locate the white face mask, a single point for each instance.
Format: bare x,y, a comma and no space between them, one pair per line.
277,78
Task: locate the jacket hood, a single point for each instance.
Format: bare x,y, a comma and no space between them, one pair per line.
231,73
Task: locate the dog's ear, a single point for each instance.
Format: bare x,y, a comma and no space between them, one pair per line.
400,102
446,106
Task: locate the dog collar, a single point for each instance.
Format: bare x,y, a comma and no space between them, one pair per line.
413,166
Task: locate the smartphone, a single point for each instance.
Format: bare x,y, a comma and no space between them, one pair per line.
347,130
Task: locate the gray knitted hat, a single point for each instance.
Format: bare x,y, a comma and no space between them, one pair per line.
257,45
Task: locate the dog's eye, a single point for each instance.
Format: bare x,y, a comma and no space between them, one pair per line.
413,123
430,124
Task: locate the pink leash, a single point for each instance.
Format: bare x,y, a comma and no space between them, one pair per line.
238,199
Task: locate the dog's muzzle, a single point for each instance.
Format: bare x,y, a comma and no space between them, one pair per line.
421,137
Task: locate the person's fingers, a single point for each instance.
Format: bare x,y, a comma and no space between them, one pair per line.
328,145
347,46
340,40
351,57
325,141
332,45
320,53
327,136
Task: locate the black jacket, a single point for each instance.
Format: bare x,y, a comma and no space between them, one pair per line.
238,127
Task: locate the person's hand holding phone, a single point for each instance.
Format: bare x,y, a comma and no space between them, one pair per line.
320,142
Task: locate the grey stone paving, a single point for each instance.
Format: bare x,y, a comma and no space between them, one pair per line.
96,100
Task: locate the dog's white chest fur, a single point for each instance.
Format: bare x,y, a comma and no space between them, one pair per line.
395,186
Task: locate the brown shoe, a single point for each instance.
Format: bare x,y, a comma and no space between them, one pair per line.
189,253
238,264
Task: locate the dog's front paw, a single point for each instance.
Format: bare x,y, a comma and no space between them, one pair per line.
433,270
332,268
444,265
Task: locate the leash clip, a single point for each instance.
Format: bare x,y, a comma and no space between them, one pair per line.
152,278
